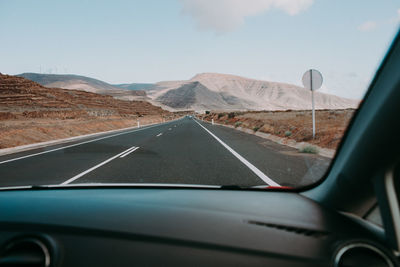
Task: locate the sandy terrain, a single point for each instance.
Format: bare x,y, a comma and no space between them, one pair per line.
22,132
296,125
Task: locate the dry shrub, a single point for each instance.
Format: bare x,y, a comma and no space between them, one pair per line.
266,128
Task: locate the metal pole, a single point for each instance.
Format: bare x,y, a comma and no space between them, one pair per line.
313,106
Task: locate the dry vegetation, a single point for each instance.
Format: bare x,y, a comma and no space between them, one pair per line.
296,125
31,113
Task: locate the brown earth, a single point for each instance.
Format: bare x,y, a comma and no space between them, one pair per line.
31,113
296,125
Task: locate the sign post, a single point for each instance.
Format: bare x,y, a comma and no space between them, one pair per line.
312,80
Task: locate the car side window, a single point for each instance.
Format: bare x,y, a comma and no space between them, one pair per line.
374,216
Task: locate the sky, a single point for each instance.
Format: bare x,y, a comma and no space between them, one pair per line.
156,40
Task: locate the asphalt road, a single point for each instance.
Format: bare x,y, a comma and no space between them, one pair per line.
184,151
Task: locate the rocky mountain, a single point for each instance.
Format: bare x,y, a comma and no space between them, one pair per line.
229,92
77,82
196,96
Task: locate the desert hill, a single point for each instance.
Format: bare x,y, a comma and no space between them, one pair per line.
194,95
135,86
205,91
22,97
78,82
230,92
31,113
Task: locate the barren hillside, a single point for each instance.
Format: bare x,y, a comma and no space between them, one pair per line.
78,82
205,91
195,95
295,125
32,113
243,93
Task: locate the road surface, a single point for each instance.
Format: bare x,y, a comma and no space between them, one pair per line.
185,151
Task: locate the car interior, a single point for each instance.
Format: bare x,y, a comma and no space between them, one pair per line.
351,217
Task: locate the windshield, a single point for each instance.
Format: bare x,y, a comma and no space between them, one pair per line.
183,92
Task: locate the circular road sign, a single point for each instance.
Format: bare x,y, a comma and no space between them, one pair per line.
312,79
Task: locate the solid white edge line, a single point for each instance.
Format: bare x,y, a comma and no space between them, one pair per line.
127,153
89,141
94,167
253,168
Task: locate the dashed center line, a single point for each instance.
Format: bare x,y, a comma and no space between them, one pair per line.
129,152
159,134
98,165
81,143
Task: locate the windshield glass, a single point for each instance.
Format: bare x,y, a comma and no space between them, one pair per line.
183,92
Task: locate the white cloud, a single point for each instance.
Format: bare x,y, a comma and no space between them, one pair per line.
372,25
368,26
226,15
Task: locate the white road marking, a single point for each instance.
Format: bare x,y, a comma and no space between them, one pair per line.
159,134
169,129
78,144
253,168
95,167
129,152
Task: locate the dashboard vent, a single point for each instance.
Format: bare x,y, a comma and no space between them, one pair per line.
296,230
362,254
25,252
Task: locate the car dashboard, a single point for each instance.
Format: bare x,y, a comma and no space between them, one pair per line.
178,226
